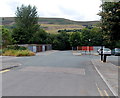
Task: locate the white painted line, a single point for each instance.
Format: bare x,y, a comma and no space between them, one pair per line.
109,86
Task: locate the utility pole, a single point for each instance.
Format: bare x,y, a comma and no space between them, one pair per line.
102,41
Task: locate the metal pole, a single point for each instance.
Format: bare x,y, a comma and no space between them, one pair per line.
101,53
105,56
102,42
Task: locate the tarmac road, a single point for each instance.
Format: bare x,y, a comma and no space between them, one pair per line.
56,74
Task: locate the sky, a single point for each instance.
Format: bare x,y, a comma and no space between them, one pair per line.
78,10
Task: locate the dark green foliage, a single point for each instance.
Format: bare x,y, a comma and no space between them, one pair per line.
75,30
92,36
96,37
26,24
16,47
86,33
111,22
13,47
20,36
59,41
63,38
66,40
76,39
6,36
40,37
118,44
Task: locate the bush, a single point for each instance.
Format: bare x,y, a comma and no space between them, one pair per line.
12,47
25,53
16,47
3,51
18,53
0,51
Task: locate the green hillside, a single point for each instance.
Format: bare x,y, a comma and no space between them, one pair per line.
52,25
59,21
65,21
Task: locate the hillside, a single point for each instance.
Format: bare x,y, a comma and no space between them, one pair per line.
52,25
64,21
53,28
11,20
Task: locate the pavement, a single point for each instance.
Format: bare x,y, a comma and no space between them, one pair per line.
109,73
114,60
80,53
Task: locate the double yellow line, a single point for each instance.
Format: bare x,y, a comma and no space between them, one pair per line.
4,71
102,93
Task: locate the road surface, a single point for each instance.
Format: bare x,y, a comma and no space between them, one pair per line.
54,74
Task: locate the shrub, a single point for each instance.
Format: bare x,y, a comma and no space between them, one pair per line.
0,51
9,53
25,53
18,53
16,47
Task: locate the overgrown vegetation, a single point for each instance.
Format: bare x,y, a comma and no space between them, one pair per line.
111,23
16,47
5,36
15,50
18,53
74,30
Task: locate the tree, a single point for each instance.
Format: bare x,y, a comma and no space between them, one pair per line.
76,39
6,36
96,37
63,38
26,24
86,33
52,38
111,21
40,37
59,41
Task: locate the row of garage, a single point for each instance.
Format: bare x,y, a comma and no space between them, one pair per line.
38,47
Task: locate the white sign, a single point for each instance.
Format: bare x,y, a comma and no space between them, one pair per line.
43,48
34,48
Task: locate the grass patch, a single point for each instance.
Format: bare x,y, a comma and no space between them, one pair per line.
15,50
53,28
18,53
